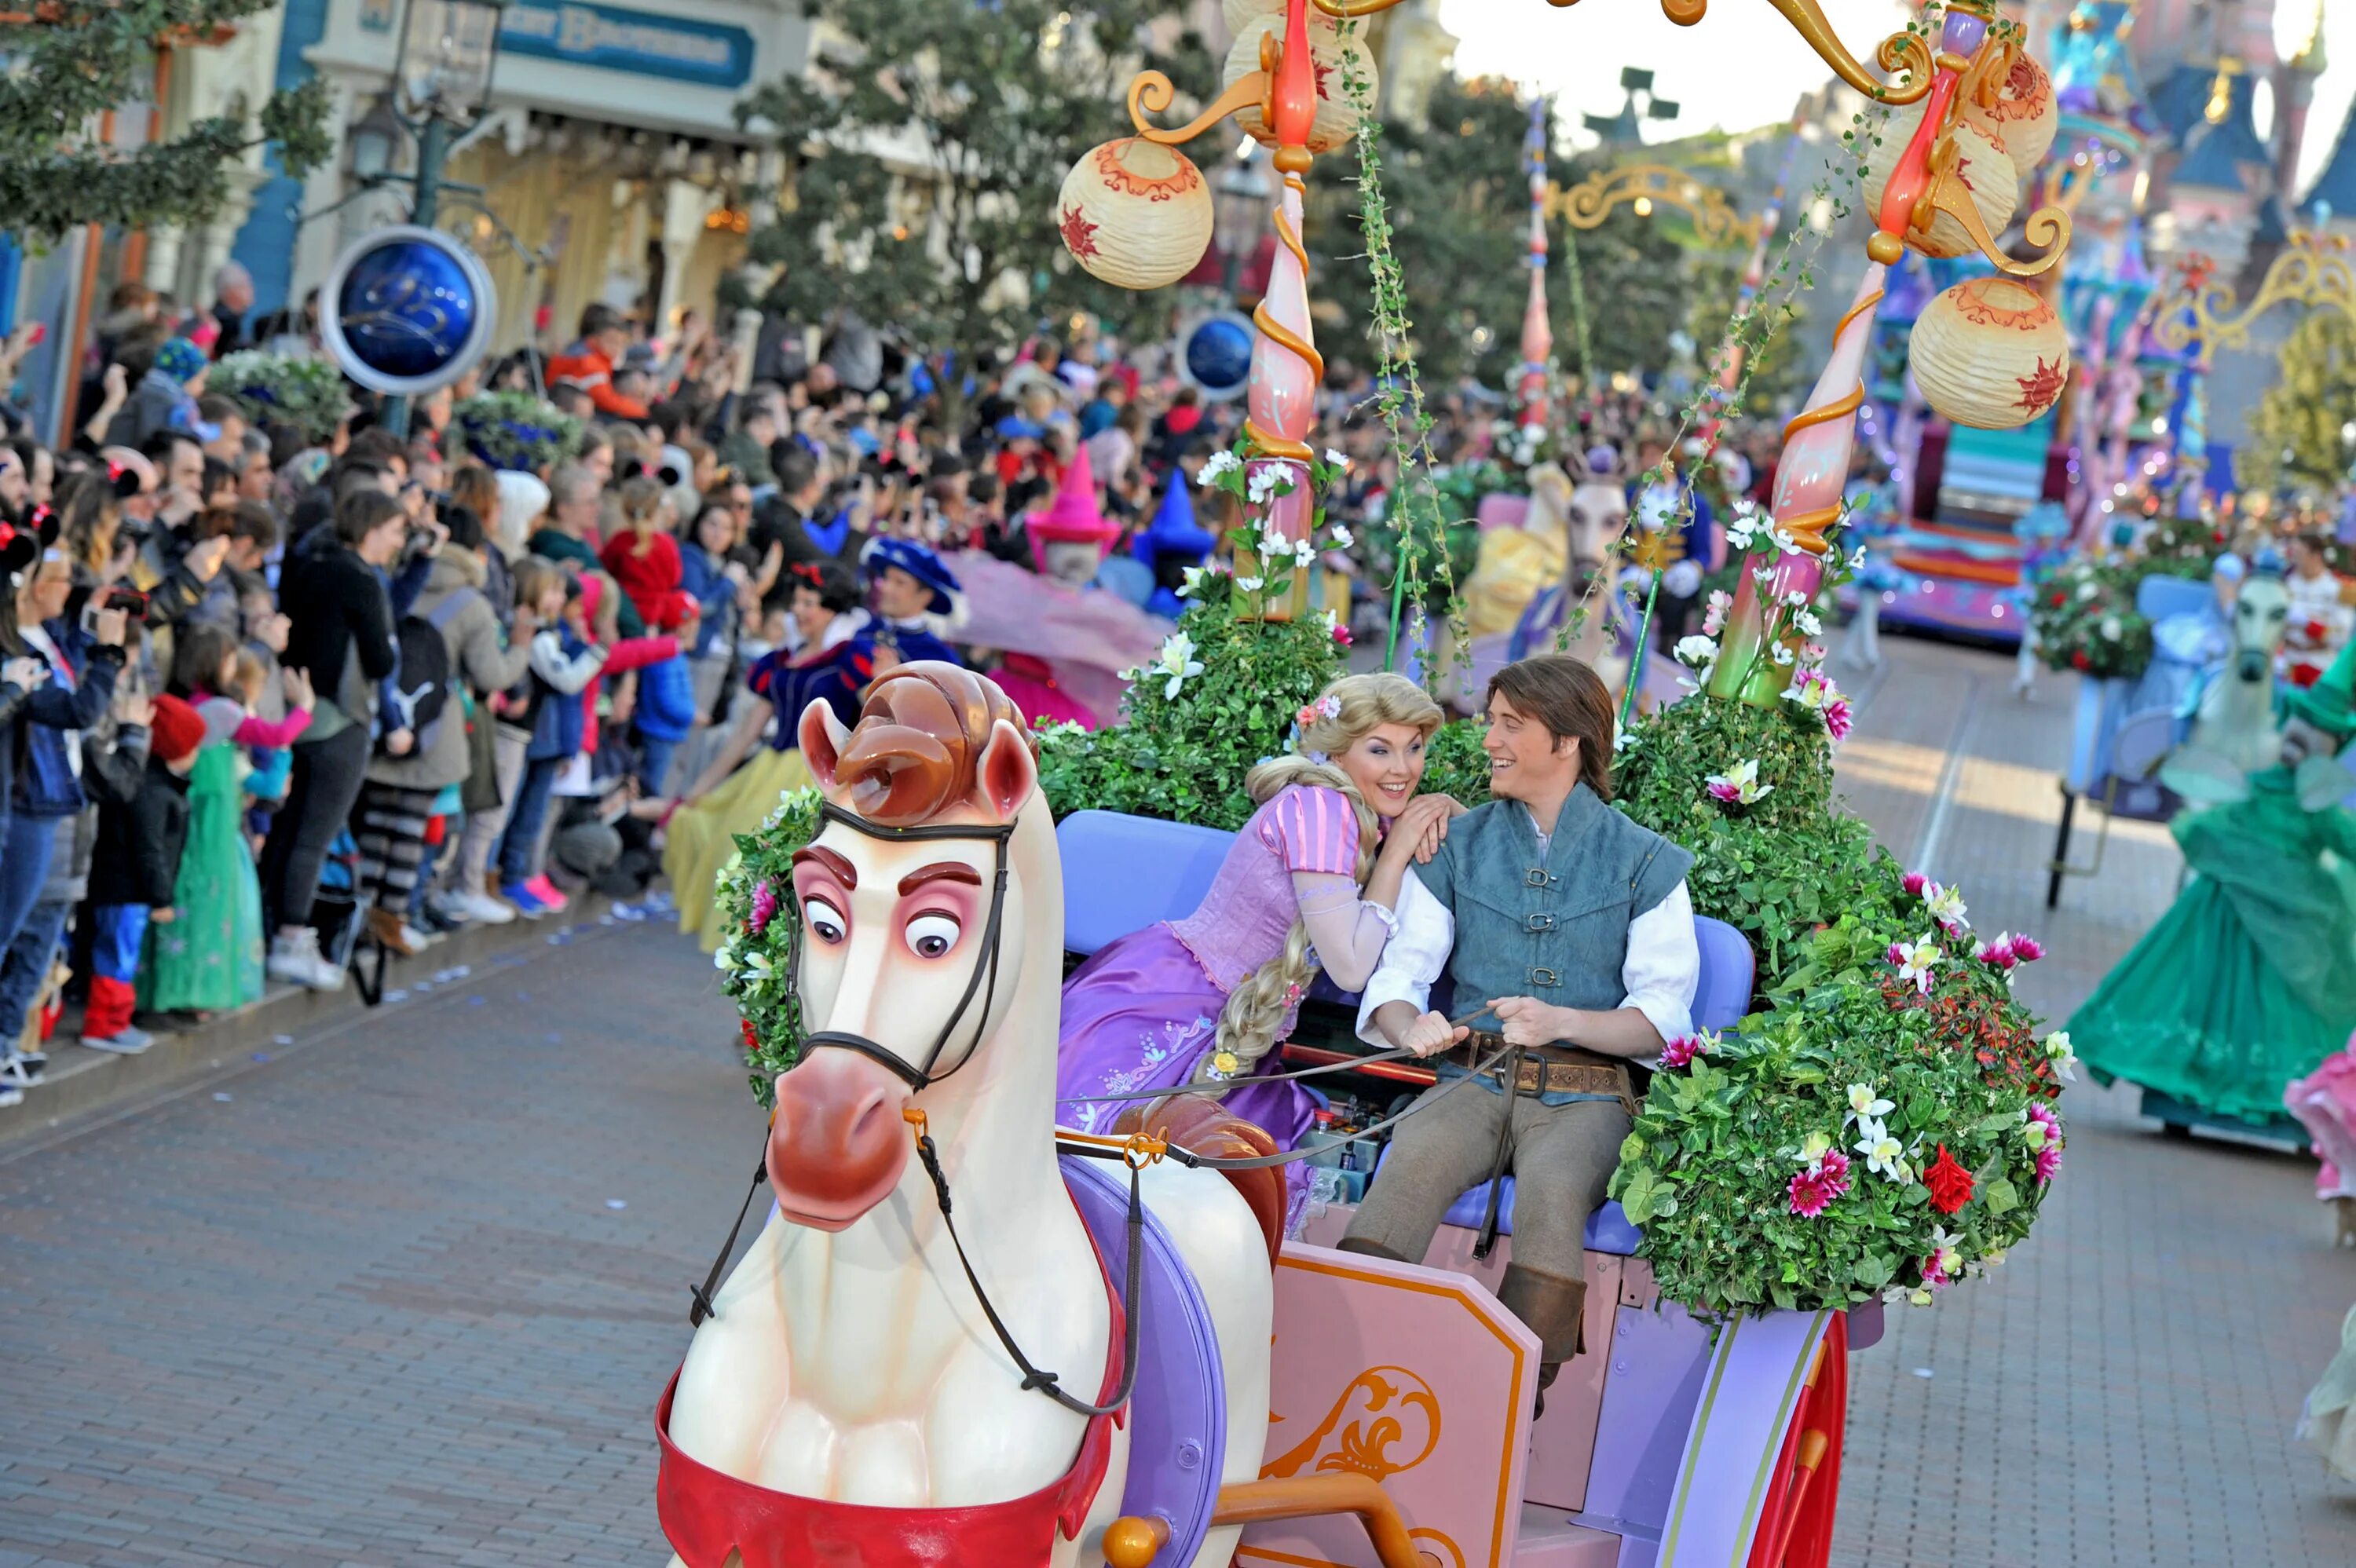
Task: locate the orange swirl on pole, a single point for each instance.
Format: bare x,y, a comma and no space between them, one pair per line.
1284,338
1807,529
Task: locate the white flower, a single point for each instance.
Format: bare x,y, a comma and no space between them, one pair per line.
1335,460
1946,905
1883,1154
1261,486
1696,651
1343,538
1866,1103
756,962
1304,553
2087,591
1216,464
1762,575
2062,1055
2111,628
1178,661
1856,560
1741,787
1945,1253
1742,532
1796,599
1807,623
1250,584
1814,1148
1916,960
1785,656
1191,581
726,958
1786,540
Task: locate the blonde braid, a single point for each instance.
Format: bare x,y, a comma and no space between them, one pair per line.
1255,1010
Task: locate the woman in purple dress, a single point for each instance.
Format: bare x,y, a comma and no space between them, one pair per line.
1312,881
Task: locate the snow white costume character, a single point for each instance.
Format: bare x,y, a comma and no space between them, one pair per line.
1311,882
2249,980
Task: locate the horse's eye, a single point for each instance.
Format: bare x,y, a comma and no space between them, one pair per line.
933,934
826,922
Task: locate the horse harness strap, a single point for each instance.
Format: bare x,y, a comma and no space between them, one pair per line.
1133,1296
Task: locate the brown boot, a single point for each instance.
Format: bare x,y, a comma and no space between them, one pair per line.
387,928
1551,1305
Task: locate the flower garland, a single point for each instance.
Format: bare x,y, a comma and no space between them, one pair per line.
515,430
756,906
284,390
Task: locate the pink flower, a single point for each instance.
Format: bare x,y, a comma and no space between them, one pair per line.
1897,954
764,906
2027,949
1725,792
1915,882
2048,1153
1814,1188
1680,1051
1997,954
1713,620
1837,718
1342,635
1934,1274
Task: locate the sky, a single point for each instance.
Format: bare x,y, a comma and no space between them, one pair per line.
1743,66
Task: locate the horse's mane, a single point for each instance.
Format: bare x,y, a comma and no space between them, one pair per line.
916,753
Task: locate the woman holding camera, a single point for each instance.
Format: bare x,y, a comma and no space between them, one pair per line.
340,633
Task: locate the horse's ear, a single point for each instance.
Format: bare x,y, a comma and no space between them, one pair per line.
821,736
1008,772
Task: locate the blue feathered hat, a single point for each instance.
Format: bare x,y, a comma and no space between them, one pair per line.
918,562
1173,531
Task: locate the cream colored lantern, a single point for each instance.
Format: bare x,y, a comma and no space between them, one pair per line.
1991,353
1135,213
2024,117
1982,164
1331,56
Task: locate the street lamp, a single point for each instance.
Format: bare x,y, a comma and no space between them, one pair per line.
1242,207
441,78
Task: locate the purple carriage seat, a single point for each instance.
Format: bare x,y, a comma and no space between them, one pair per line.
1719,1001
1122,873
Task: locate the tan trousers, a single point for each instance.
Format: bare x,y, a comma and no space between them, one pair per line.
1561,1157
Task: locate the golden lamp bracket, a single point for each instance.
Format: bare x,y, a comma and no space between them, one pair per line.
1644,186
1153,92
2046,229
2314,271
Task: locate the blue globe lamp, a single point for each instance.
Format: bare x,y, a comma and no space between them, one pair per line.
406,310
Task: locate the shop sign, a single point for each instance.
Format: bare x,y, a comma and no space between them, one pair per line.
642,43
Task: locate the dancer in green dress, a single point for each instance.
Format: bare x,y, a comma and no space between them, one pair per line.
2249,980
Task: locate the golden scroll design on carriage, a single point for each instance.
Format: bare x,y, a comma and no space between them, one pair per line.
1385,1405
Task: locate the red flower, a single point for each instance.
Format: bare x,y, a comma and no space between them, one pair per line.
2079,659
1950,1184
752,1041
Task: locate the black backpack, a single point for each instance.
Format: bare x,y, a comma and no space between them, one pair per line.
420,689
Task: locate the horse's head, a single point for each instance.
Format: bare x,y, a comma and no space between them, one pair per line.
2261,617
914,927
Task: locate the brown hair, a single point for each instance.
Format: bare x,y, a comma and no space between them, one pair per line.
1571,700
916,753
477,486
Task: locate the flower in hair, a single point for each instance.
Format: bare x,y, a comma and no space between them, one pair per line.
1326,706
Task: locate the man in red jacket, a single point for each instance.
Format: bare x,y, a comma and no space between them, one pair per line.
589,364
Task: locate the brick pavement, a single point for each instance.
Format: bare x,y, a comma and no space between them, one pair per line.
2122,1390
368,1304
373,1307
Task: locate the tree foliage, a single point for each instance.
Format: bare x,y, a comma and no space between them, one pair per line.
70,61
925,147
1460,208
2295,436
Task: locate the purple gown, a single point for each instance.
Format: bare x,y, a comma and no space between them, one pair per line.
1144,1010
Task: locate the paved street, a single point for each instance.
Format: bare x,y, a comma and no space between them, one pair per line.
374,1300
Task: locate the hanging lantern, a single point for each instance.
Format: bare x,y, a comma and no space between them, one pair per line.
1332,57
1981,164
1242,14
1135,213
2025,116
1990,353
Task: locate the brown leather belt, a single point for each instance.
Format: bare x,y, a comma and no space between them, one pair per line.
1549,1069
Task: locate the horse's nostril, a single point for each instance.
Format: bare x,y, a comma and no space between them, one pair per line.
863,1126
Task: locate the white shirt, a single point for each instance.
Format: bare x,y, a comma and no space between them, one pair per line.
1659,976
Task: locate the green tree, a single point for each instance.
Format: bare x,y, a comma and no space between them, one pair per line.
70,61
2296,440
925,149
1460,210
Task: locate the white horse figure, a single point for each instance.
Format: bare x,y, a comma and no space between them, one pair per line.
849,1360
2234,733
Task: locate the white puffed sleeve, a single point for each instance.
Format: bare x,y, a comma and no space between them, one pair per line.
1662,970
1416,955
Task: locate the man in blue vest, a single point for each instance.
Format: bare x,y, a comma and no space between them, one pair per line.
1569,926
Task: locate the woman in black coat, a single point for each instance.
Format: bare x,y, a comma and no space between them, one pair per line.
335,597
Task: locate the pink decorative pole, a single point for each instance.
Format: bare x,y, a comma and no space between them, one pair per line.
1281,403
1538,336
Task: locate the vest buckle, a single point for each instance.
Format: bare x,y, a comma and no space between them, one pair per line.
1544,977
1537,877
1544,921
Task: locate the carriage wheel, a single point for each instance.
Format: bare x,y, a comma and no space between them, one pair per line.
1795,1528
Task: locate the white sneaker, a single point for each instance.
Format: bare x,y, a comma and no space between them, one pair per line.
10,1095
485,909
297,961
130,1043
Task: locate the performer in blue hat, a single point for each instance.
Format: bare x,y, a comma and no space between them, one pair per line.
916,599
1173,544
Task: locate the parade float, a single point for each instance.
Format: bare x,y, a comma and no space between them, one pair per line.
1138,1355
